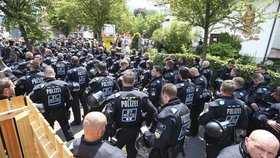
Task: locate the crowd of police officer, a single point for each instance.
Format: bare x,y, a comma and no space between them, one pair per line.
66,73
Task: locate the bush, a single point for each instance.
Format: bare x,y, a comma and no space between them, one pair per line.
228,47
216,64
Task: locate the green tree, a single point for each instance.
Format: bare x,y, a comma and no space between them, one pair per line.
204,14
174,38
25,15
139,24
153,22
94,13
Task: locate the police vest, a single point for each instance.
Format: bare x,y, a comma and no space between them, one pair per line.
188,92
53,94
229,110
153,87
104,83
60,68
128,108
181,114
78,74
33,79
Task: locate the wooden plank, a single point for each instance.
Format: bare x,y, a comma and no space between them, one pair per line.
17,102
4,105
2,150
11,139
11,113
66,152
25,133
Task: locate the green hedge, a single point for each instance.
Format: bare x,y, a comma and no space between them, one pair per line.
216,64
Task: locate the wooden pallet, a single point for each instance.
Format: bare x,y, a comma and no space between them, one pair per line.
25,132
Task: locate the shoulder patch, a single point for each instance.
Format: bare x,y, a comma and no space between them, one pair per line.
173,110
160,129
222,102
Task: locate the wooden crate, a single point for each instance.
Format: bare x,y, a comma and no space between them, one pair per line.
25,132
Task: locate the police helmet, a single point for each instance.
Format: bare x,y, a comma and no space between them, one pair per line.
96,99
141,147
216,129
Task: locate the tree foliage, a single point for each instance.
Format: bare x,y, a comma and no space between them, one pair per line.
26,15
135,41
93,13
173,38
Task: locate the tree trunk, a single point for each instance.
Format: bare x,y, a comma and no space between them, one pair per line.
206,29
99,37
25,37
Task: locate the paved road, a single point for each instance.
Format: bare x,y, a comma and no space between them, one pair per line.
194,147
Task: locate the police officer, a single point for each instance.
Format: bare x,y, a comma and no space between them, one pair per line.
185,88
34,77
78,74
224,74
124,114
104,82
91,144
206,71
168,139
155,85
262,70
54,94
227,108
200,87
147,74
170,74
60,67
240,92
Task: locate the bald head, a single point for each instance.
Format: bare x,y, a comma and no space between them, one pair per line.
94,125
28,55
205,64
262,143
60,56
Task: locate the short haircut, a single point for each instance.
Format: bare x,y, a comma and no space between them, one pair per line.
170,63
124,62
231,62
75,60
239,81
258,77
128,77
101,66
184,59
228,87
4,83
169,89
263,67
158,69
184,72
150,63
196,59
35,65
236,71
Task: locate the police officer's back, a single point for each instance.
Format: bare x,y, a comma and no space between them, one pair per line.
185,88
34,77
168,138
206,71
78,74
124,113
54,94
104,82
226,108
60,67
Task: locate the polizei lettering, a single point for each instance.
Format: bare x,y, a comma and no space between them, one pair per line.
233,111
129,102
53,90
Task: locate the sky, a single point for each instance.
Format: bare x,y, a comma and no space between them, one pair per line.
134,4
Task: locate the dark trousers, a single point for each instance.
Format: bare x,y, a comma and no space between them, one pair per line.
194,113
79,97
59,116
127,137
